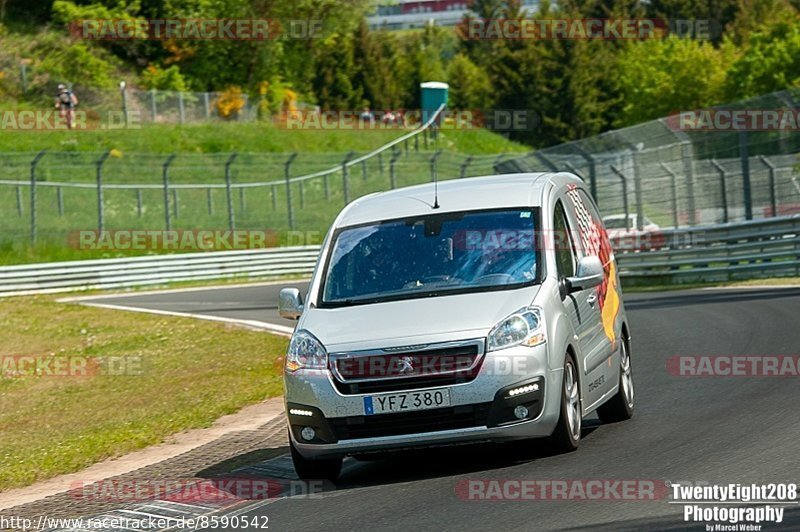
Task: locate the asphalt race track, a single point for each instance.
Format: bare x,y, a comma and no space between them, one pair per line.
686,429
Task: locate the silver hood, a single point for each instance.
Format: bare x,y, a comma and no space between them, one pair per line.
411,321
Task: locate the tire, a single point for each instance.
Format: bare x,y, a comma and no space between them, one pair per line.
322,469
567,434
620,407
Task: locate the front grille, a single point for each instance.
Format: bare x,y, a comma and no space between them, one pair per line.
451,418
413,383
392,371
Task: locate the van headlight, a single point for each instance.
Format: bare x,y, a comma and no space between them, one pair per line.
524,327
305,352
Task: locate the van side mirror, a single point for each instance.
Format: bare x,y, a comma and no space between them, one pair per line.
290,304
588,275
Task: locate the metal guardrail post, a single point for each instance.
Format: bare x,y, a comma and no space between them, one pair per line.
637,189
229,191
181,108
207,106
723,189
19,201
433,159
624,194
674,185
416,143
34,163
99,167
746,188
124,94
773,201
60,199
462,172
687,156
165,176
274,196
24,74
153,106
392,178
592,169
286,171
345,176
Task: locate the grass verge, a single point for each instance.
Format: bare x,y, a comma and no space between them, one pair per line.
180,374
242,137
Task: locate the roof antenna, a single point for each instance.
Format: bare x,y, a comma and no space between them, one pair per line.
435,180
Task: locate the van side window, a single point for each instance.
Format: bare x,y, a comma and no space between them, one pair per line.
564,248
589,205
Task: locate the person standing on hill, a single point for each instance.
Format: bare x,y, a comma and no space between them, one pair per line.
66,101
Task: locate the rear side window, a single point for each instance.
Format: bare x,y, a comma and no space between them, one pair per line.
593,235
564,246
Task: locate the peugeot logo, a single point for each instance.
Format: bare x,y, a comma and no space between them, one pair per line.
406,365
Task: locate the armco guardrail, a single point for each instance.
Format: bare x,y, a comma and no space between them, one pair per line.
762,248
155,270
742,250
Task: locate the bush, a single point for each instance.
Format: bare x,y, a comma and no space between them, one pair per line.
230,102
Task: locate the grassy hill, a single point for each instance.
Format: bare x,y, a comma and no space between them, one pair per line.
244,137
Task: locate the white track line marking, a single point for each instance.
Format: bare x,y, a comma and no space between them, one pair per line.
281,330
133,293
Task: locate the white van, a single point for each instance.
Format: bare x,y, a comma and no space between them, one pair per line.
489,311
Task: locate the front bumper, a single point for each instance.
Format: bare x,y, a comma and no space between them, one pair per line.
480,410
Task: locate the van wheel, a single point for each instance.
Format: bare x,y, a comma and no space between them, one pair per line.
567,435
620,407
323,469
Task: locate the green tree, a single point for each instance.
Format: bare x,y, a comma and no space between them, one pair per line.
470,87
769,63
334,73
659,77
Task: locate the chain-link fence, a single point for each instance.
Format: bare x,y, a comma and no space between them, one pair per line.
53,196
708,166
79,191
138,106
649,174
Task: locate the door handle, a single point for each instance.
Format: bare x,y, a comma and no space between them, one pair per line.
592,300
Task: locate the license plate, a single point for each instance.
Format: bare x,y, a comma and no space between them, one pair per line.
406,401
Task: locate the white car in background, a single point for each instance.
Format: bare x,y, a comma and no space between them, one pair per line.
615,224
627,237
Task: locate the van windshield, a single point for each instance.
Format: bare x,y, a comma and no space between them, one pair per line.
426,256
